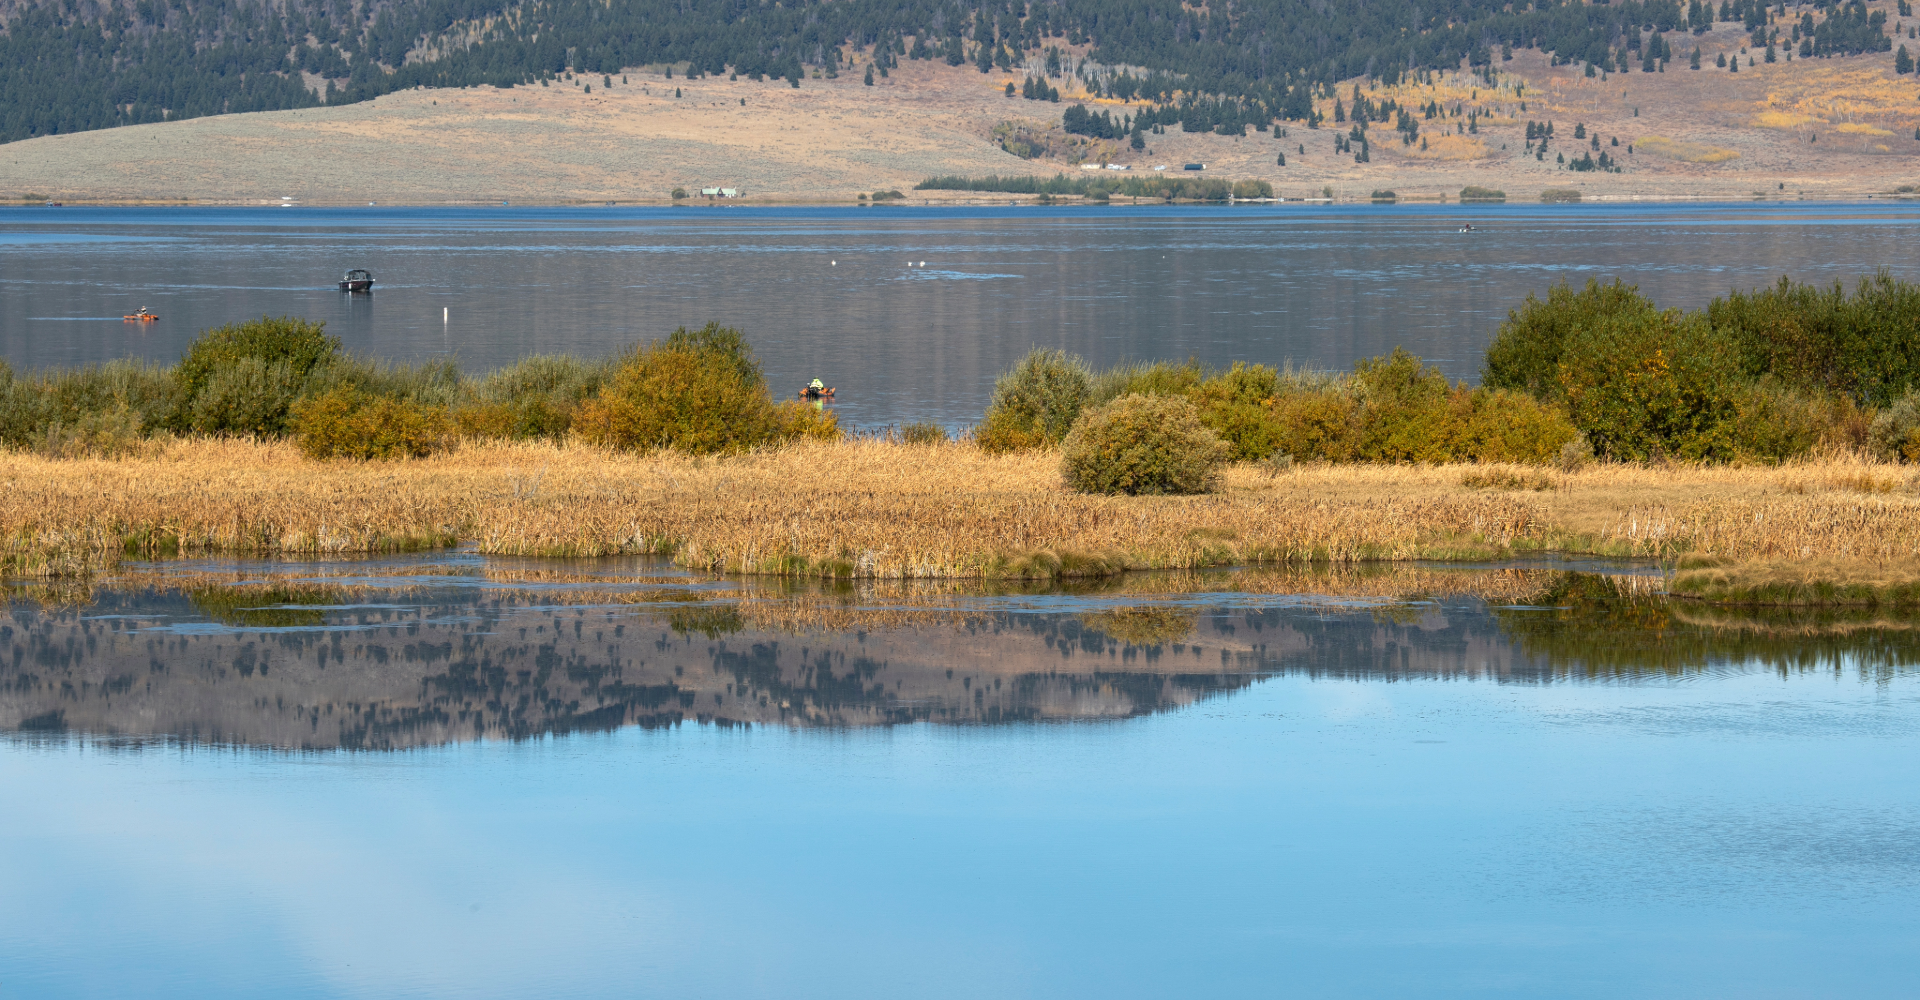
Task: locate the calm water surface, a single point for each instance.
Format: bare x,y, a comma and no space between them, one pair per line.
910,311
455,776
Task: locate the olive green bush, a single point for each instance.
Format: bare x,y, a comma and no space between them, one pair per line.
1142,444
274,356
1036,403
346,422
533,398
1865,346
1894,435
1528,348
699,392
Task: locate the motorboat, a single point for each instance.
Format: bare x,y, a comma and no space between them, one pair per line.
357,280
143,316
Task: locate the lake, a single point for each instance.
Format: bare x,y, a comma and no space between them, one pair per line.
910,311
452,775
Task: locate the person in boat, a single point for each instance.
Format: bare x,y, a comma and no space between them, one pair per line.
815,389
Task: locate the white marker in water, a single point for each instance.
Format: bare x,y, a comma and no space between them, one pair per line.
833,263
923,263
443,313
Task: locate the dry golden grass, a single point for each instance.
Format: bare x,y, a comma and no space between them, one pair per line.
1448,147
922,512
1685,152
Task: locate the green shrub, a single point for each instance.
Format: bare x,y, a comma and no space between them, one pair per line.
1560,196
246,396
1236,406
345,422
1036,403
1142,444
1646,386
719,343
699,392
289,350
1155,378
1895,433
1775,423
114,432
797,421
534,398
1527,350
1475,193
923,433
32,407
1825,341
1322,424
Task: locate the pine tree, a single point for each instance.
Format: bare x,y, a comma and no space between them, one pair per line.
1902,62
869,80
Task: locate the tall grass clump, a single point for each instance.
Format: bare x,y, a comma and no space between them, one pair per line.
1391,409
105,409
1142,445
1036,403
699,392
536,397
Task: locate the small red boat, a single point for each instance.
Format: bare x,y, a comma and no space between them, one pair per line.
811,393
143,316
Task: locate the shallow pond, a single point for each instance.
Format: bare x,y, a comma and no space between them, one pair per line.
461,776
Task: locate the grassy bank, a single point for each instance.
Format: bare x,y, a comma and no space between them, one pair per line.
903,511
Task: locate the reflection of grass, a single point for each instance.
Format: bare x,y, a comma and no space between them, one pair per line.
1595,626
710,620
1816,582
1144,626
253,607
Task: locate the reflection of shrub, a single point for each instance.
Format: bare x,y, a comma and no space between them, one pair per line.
348,423
712,621
1036,403
1895,433
1142,444
249,607
1142,626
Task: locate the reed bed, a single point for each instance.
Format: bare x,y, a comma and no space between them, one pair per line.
876,509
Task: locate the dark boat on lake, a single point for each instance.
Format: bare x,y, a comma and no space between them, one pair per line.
357,280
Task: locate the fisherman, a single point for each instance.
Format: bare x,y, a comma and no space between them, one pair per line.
816,386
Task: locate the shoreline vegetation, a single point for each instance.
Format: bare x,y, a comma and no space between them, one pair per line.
1755,448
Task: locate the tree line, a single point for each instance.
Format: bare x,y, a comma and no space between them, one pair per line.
74,65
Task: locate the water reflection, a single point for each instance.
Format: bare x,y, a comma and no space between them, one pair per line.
393,657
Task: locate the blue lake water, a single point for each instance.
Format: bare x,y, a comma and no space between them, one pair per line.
458,777
450,776
912,312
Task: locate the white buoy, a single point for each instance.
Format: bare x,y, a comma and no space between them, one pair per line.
923,263
443,313
833,263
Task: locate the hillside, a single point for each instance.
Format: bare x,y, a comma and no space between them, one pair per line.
1838,127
